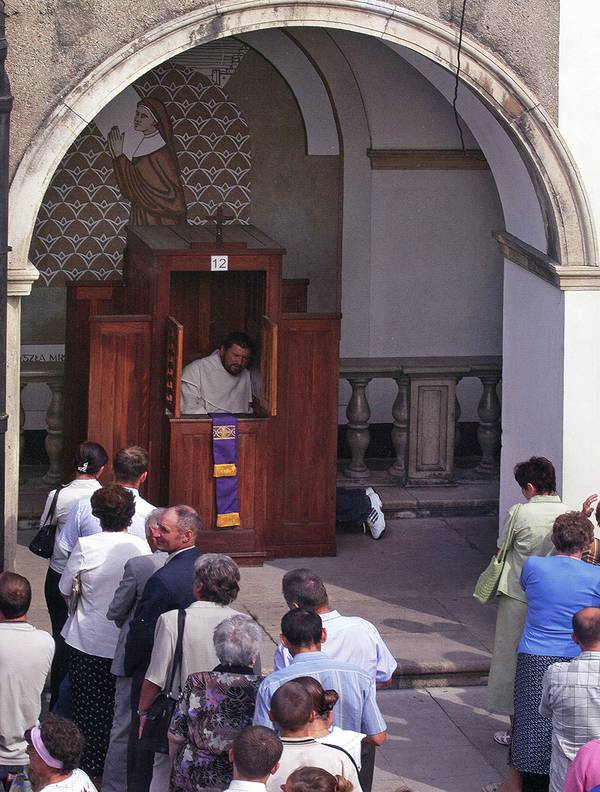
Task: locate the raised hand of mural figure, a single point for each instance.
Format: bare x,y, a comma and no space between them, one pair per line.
115,142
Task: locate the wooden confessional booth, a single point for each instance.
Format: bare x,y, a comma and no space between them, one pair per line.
183,289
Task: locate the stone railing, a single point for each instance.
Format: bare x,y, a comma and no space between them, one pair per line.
425,414
52,375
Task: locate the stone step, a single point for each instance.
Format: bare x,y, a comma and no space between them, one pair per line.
409,675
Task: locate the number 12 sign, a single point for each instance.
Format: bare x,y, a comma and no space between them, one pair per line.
219,263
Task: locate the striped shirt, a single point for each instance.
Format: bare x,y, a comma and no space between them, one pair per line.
356,709
571,698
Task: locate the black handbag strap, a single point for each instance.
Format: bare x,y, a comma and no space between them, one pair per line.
52,509
344,751
178,656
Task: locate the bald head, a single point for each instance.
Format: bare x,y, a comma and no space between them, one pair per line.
15,596
586,629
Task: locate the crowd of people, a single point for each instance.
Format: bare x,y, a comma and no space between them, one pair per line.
545,670
156,680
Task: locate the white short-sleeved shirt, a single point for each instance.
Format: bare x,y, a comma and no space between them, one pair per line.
99,560
68,497
198,647
350,639
25,658
307,752
81,522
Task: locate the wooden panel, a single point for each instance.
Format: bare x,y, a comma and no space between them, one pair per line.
118,393
268,366
83,300
190,303
174,366
191,482
294,295
431,430
305,440
427,159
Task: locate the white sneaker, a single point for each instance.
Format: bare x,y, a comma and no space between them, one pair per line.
375,519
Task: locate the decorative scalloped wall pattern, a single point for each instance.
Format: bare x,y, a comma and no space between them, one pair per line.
80,229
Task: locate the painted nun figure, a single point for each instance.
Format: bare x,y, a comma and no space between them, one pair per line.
151,180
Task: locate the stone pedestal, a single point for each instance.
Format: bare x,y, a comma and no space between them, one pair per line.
431,430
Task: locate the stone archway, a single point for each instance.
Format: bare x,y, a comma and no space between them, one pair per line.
571,240
564,206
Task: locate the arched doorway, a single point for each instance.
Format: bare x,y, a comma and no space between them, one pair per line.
531,143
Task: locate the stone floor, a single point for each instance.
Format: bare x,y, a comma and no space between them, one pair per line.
439,740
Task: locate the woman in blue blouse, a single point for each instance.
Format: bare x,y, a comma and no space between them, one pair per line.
556,587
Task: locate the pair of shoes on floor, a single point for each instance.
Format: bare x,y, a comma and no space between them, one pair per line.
502,737
495,786
375,521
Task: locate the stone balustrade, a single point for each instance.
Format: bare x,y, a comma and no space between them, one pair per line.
52,375
425,414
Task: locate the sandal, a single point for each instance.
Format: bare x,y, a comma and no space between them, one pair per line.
502,737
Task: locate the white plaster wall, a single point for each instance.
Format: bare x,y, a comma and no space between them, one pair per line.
356,192
403,109
581,457
532,385
522,215
436,275
306,85
434,271
579,91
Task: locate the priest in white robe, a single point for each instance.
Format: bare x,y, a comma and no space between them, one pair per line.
219,383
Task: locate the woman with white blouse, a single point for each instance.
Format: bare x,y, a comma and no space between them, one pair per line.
88,463
97,562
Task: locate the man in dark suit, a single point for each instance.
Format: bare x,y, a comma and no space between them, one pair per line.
170,588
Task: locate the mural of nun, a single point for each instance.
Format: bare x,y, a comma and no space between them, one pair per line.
151,180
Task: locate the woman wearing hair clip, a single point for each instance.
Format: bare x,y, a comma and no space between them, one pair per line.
322,728
88,463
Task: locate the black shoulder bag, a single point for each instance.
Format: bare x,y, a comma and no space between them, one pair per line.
158,718
42,543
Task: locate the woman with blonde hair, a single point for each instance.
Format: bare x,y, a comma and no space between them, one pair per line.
315,779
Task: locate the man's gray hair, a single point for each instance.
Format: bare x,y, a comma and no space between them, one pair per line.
219,577
237,641
303,588
188,519
152,521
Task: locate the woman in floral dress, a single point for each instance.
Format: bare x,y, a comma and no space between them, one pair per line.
214,707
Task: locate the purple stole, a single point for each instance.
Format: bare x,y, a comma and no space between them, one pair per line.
224,433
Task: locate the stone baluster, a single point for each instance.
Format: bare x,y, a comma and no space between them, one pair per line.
457,413
358,436
21,425
54,436
488,431
400,428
